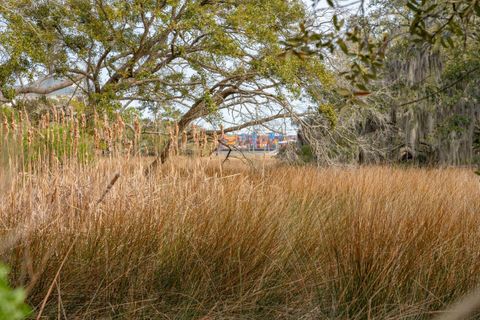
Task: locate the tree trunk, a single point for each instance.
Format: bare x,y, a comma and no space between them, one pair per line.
165,153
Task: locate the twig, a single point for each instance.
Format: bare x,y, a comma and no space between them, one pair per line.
230,148
44,302
109,187
228,154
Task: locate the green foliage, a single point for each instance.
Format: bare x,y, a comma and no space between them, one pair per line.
8,92
328,111
439,22
306,154
448,24
12,305
210,103
366,51
455,123
181,54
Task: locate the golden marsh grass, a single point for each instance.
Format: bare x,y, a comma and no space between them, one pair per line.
196,239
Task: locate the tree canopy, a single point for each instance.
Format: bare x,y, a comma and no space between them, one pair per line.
194,56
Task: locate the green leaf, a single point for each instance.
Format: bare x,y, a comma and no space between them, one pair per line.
338,24
316,37
12,304
412,6
361,86
455,28
342,46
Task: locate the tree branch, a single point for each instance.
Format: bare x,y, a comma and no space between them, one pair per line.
38,90
441,89
257,122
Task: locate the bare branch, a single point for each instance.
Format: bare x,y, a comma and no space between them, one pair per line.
39,90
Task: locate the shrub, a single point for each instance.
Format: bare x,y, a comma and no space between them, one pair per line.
12,306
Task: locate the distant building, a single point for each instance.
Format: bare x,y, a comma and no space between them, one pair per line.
257,142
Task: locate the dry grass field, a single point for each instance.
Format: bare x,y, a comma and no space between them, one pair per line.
90,236
198,240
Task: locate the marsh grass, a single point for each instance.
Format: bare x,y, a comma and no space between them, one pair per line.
198,239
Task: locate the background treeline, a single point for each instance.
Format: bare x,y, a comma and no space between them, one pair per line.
422,103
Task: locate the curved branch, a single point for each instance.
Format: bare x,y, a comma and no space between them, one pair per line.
39,90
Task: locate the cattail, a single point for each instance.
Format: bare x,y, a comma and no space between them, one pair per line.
47,120
222,132
20,124
20,118
13,123
29,136
46,125
76,136
84,121
27,119
96,138
215,139
55,114
184,140
108,137
175,139
136,126
42,122
71,116
5,126
64,139
62,118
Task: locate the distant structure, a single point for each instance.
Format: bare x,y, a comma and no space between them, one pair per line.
257,142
